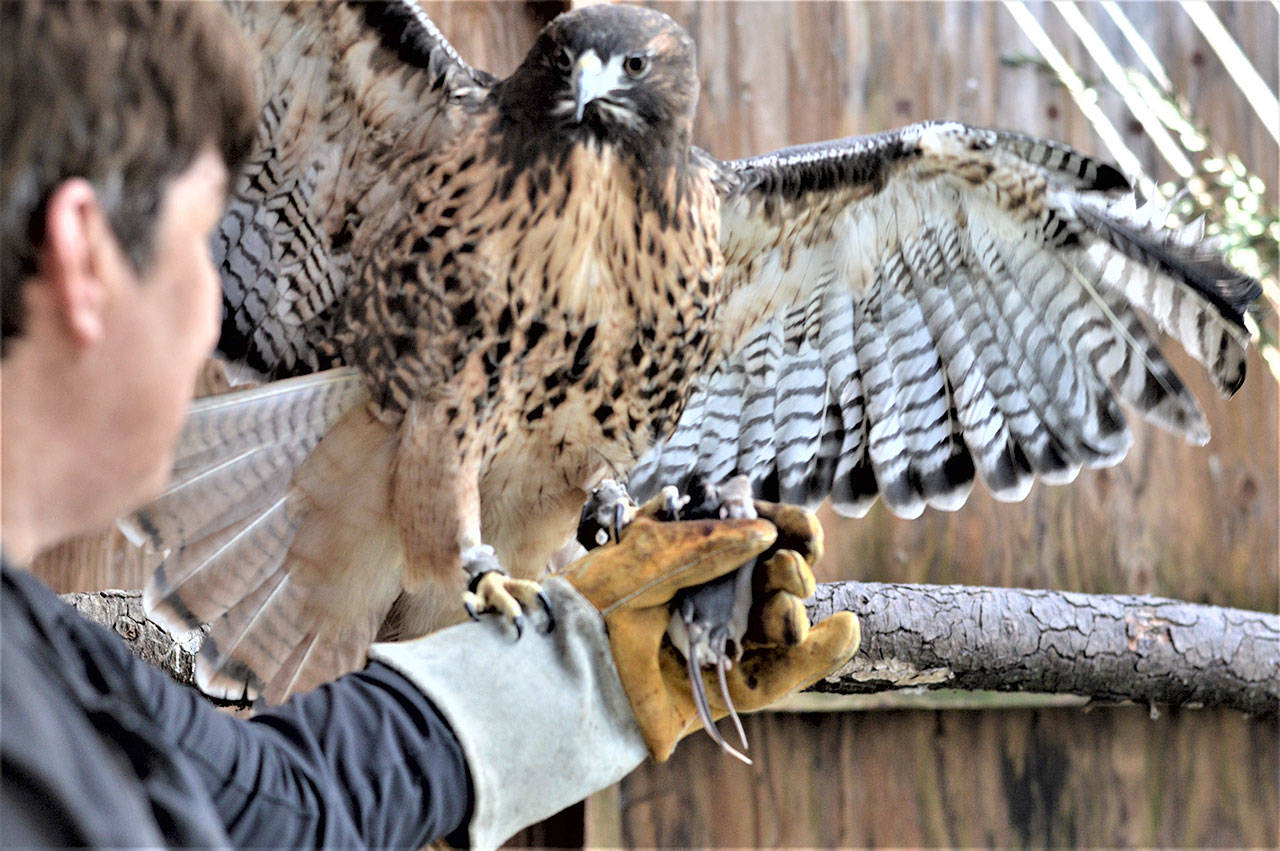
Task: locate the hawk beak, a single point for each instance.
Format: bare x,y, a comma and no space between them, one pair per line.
589,82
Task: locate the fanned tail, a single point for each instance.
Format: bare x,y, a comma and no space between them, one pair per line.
275,532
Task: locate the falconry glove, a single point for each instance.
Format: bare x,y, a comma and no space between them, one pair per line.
555,716
634,581
543,720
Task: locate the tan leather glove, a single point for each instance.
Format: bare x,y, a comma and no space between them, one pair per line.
633,581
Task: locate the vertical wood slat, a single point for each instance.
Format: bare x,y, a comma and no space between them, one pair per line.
1196,523
1109,777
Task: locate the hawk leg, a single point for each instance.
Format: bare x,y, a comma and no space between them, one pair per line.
436,503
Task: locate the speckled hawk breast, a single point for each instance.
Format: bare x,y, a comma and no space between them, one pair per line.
479,296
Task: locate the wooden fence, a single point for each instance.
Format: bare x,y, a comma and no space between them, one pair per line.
1193,523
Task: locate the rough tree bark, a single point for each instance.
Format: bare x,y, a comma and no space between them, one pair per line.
1147,650
122,612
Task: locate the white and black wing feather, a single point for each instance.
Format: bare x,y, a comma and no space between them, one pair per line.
351,94
910,309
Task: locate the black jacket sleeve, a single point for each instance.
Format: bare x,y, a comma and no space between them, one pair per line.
364,761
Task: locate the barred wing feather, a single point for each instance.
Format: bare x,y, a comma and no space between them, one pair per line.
352,93
912,309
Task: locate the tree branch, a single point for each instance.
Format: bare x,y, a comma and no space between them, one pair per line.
1107,647
122,612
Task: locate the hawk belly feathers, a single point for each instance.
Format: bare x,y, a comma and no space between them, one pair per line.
486,295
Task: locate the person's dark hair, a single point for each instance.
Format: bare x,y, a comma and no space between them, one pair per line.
122,94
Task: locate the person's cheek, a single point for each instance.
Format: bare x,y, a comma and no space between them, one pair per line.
211,303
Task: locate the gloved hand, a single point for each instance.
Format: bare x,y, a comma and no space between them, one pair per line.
510,703
633,581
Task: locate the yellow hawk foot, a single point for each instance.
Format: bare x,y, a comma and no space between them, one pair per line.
491,590
610,509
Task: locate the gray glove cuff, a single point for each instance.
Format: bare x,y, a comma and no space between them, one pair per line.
544,721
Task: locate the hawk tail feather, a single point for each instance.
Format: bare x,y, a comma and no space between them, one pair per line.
276,506
226,499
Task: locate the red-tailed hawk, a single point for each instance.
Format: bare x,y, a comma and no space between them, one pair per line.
489,294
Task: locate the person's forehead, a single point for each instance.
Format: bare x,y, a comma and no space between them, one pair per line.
197,195
207,173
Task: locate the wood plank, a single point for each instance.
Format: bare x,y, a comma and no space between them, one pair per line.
1110,777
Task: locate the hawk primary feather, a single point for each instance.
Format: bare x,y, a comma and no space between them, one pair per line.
941,300
508,289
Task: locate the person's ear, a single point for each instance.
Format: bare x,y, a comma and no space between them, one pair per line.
74,260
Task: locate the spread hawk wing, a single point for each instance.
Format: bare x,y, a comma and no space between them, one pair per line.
908,309
351,95
275,527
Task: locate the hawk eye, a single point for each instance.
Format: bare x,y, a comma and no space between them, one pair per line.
562,59
636,65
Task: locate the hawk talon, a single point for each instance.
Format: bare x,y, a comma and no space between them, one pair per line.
672,501
494,592
606,513
474,582
619,521
546,607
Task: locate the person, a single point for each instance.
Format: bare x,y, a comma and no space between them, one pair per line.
122,124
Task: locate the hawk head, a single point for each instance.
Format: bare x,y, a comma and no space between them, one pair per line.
619,75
